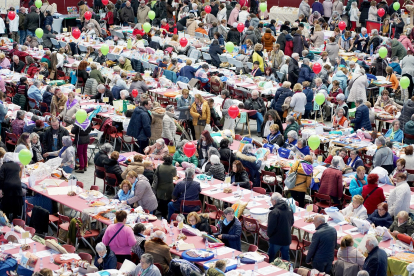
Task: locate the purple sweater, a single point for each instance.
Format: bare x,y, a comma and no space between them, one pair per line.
123,242
317,7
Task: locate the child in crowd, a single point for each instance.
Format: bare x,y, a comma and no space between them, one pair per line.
395,65
72,75
44,71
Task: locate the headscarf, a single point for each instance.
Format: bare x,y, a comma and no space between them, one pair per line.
37,148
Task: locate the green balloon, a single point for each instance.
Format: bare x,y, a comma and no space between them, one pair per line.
320,98
396,6
38,3
81,116
314,142
404,82
39,32
104,49
229,47
263,7
151,15
146,27
25,156
383,52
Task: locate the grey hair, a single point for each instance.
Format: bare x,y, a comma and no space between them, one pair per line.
318,80
160,141
364,29
352,62
181,143
335,161
372,240
319,218
389,40
290,119
340,97
107,148
213,151
190,172
124,93
163,20
247,148
191,15
166,59
335,13
293,134
121,58
228,210
394,58
10,156
66,141
306,61
362,272
20,113
354,4
225,93
214,159
303,141
147,258
33,135
14,57
276,196
169,107
340,109
100,87
394,122
380,140
36,83
255,92
294,55
158,234
408,32
359,101
100,247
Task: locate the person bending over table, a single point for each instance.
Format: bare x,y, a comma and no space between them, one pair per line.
372,194
218,269
199,222
179,157
331,181
230,230
67,153
146,266
136,166
69,110
402,224
142,194
380,217
395,134
158,150
105,258
58,102
249,161
119,237
159,250
348,253
360,180
355,210
274,137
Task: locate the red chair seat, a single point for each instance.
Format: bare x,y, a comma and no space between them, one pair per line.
293,245
53,218
212,215
64,226
91,233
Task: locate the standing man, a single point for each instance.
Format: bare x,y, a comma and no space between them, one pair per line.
142,14
127,14
32,21
256,103
22,28
304,9
293,69
321,250
280,221
140,125
376,262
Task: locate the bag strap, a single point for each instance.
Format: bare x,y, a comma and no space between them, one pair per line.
115,234
370,193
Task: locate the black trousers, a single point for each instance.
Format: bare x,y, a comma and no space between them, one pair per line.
299,197
142,145
163,207
122,258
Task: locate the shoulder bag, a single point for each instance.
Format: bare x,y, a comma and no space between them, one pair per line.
365,198
290,180
117,232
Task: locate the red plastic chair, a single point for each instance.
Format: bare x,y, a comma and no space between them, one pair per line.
259,190
305,245
11,139
323,201
36,106
295,246
31,230
44,107
160,268
97,123
213,229
69,248
262,183
94,188
19,222
29,208
79,184
191,203
85,256
254,224
64,222
102,170
252,248
212,211
115,180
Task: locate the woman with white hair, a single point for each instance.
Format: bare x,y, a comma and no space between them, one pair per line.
291,124
340,99
292,139
67,153
402,224
168,125
90,29
361,41
158,150
358,83
105,257
334,20
36,147
383,156
355,210
248,159
216,169
146,266
159,250
339,120
331,181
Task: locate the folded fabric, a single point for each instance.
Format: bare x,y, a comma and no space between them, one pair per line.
65,257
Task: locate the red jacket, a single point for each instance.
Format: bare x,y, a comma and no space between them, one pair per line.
374,199
328,160
289,48
137,32
331,183
31,71
109,18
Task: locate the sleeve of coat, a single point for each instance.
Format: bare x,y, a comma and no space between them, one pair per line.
145,122
235,236
312,247
354,189
193,111
340,186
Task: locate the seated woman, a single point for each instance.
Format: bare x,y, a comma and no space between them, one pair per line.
58,102
239,176
376,193
70,109
23,143
112,166
225,153
248,159
339,119
199,222
302,147
380,217
158,150
125,191
139,248
216,169
136,166
350,254
218,269
179,157
385,100
391,77
105,258
44,70
67,153
395,134
143,195
159,250
360,180
292,139
36,147
204,144
147,267
230,230
354,161
274,137
206,166
399,169
402,225
355,210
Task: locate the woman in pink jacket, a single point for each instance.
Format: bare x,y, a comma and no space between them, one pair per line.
119,237
406,42
234,14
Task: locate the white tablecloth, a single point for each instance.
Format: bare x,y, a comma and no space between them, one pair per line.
284,13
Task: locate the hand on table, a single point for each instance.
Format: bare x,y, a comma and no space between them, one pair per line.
124,202
395,233
46,154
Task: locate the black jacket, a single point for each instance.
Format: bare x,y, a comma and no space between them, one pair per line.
47,99
323,245
255,104
100,158
364,9
17,67
109,261
107,93
279,225
278,140
48,138
112,166
39,219
10,182
242,179
226,154
281,40
81,136
149,174
204,225
234,36
32,21
293,71
376,262
214,52
200,151
299,44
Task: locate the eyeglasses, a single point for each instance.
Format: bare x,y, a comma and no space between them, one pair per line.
381,210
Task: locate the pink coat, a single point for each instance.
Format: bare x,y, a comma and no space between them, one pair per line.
233,16
123,242
405,41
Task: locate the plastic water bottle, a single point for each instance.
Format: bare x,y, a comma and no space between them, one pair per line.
65,268
256,266
41,264
241,194
12,227
411,246
340,229
34,248
152,230
232,255
138,219
215,252
362,229
20,252
178,246
290,269
73,265
221,186
393,250
252,274
206,243
251,194
51,259
238,262
391,242
238,188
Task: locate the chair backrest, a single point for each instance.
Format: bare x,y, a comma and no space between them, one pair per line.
94,188
31,230
63,219
29,206
198,35
213,229
85,256
190,203
252,222
210,208
252,248
118,265
249,65
62,44
19,222
238,63
160,268
259,190
112,176
54,42
69,248
323,197
206,56
222,58
79,184
12,137
82,48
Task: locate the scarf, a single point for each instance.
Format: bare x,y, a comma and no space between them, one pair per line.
270,137
62,150
145,271
352,163
84,126
70,105
122,196
393,134
260,53
345,42
226,222
38,151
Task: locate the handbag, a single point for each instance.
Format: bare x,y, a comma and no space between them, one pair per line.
171,148
290,180
201,122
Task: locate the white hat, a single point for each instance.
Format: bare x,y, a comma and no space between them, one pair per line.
235,25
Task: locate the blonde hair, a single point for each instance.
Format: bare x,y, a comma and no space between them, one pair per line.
308,158
258,47
317,28
358,199
297,87
127,183
2,152
402,214
138,158
185,92
360,169
94,66
199,97
132,174
2,55
274,127
195,215
188,62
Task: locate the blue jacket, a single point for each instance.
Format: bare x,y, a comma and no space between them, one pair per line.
3,112
184,107
215,51
36,94
305,74
186,189
385,221
188,71
47,98
249,161
272,27
395,67
355,188
109,261
305,150
339,76
362,118
232,239
357,163
281,94
309,98
140,124
398,136
376,262
316,6
48,21
362,64
221,40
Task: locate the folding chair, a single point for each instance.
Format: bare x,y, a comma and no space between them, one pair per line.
55,43
62,44
206,56
222,58
93,148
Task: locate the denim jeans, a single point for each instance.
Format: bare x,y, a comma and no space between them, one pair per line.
67,169
274,249
30,33
22,34
259,118
171,210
